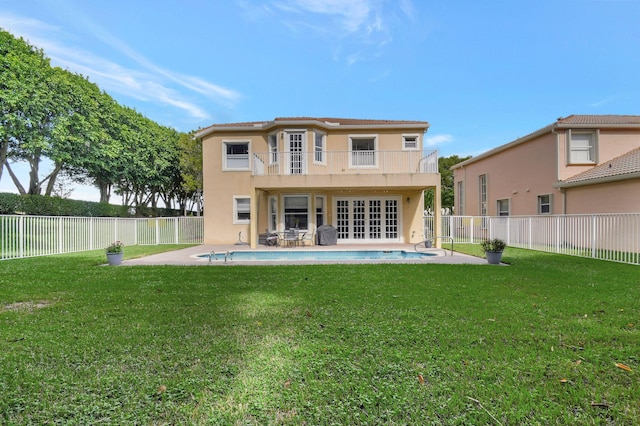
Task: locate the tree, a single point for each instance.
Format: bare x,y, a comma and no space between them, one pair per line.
191,169
27,103
446,182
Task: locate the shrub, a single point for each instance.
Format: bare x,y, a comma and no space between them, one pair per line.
495,244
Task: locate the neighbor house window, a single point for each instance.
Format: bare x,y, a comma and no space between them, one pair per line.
296,211
363,151
273,148
482,191
544,204
582,146
503,207
241,209
459,208
236,155
320,211
410,142
319,148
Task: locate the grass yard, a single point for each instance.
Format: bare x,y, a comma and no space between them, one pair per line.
548,340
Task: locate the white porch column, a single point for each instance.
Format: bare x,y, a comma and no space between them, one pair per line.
437,214
253,214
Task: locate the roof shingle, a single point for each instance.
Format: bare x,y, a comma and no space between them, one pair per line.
625,164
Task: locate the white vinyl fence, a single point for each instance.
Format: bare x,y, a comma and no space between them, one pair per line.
613,237
29,236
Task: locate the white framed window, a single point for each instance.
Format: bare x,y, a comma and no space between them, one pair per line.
362,149
241,209
503,207
235,155
582,146
296,159
321,202
273,148
319,148
273,214
544,204
459,208
482,192
410,142
296,211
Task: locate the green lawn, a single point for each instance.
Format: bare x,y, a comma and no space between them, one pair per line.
536,342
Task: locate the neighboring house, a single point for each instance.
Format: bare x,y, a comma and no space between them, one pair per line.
579,164
366,178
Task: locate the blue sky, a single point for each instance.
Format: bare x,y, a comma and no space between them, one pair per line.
482,72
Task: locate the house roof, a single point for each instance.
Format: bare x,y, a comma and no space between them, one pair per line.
623,167
570,122
328,123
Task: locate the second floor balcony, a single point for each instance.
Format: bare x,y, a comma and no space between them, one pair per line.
365,162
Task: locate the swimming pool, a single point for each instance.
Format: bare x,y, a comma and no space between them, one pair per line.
314,255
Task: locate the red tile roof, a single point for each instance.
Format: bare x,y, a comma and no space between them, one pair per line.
621,167
572,121
325,122
600,120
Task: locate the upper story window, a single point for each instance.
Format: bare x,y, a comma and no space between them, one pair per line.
363,150
582,146
544,204
273,148
410,142
319,148
236,155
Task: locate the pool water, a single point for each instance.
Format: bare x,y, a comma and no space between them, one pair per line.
316,255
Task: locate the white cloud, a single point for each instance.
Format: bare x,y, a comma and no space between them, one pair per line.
351,15
437,140
603,101
359,28
149,82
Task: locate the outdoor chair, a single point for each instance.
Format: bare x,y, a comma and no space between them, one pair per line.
307,237
272,240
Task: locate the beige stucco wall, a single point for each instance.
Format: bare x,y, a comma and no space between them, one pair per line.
612,197
612,143
221,186
519,174
219,189
527,170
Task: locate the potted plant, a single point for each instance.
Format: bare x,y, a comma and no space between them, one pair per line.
115,252
493,249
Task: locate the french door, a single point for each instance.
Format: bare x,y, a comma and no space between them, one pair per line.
367,219
297,163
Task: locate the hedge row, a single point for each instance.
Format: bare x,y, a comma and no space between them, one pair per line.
39,205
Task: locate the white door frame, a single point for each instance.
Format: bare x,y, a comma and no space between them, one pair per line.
368,219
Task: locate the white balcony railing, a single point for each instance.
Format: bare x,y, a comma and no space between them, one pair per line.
343,162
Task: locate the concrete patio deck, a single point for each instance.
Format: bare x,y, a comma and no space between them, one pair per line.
189,256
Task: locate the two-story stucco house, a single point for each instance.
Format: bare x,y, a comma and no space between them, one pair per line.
577,165
366,178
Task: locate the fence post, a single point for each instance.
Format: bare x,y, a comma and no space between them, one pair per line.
21,236
594,236
60,235
157,232
176,224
